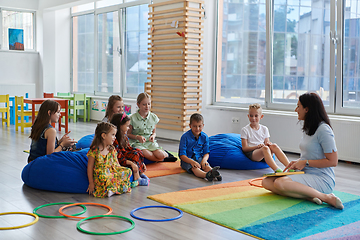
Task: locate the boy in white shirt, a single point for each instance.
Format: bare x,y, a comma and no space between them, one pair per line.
255,140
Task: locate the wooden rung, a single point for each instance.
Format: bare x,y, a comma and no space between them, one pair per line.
171,106
177,123
174,53
193,42
165,37
183,13
193,47
167,11
178,63
166,22
174,31
168,42
175,79
194,20
174,95
174,1
195,9
174,73
166,58
193,58
192,25
172,100
162,110
194,14
167,68
168,116
176,84
175,128
181,25
178,90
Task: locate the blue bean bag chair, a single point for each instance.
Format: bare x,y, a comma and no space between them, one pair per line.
59,172
85,141
226,152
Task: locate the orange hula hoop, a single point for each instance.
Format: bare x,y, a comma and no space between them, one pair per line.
84,203
251,182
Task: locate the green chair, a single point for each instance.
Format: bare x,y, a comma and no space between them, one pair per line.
78,103
63,94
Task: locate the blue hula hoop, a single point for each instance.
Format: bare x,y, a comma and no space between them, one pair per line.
156,220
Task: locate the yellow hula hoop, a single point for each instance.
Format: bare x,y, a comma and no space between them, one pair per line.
20,226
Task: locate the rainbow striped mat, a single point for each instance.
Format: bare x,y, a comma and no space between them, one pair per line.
259,213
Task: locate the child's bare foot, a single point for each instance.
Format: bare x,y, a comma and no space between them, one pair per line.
335,201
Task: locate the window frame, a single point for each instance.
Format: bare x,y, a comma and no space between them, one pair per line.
103,10
34,49
335,75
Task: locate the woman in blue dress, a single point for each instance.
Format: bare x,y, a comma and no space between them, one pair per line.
317,159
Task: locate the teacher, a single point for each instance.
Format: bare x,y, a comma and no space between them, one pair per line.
317,159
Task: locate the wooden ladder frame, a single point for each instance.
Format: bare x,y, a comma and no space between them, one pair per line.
175,56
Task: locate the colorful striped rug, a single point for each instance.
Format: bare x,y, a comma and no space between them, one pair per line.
259,213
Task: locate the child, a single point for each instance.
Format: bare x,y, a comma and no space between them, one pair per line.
255,140
194,151
142,130
115,105
128,156
43,135
106,176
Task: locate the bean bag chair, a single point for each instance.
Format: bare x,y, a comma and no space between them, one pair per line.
226,152
60,172
85,141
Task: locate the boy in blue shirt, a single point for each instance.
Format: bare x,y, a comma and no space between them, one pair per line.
194,151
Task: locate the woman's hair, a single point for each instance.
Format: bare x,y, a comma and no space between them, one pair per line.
102,127
119,120
43,118
111,102
141,97
316,112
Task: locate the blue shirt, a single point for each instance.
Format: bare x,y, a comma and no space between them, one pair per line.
194,148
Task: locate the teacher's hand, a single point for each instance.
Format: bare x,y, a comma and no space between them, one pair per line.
296,165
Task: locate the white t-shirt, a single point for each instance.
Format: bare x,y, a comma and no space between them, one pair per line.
255,137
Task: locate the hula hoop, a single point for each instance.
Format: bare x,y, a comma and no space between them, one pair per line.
60,203
102,216
156,220
76,204
20,226
251,182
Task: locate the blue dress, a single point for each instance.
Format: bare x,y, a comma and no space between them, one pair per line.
314,148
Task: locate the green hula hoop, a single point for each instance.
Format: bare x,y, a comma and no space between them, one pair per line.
59,203
109,233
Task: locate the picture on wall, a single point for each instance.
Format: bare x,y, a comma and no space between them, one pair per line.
16,39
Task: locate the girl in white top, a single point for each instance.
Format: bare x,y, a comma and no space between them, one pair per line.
255,140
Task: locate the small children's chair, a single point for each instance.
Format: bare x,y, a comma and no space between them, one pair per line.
79,102
5,111
48,95
21,113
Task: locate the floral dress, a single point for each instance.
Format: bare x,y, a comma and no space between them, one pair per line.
131,154
108,174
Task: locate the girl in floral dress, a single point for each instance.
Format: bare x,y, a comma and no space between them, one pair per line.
106,176
127,155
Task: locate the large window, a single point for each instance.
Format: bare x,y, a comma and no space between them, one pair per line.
271,52
17,20
114,60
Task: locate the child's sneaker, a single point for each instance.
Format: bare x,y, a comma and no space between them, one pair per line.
142,175
143,182
134,184
110,193
219,178
278,170
213,173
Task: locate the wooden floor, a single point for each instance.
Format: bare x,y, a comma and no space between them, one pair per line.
15,196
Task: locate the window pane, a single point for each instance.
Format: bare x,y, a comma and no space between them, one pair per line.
136,45
83,53
242,52
301,50
18,20
351,56
108,56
